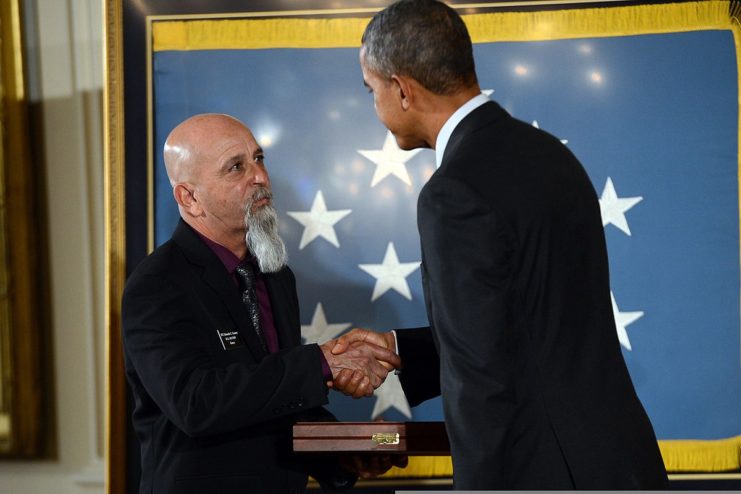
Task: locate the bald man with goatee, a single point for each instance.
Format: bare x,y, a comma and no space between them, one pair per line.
212,338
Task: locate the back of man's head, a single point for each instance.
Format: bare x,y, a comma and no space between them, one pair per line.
422,39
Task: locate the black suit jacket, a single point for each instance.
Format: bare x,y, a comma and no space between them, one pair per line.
210,419
535,390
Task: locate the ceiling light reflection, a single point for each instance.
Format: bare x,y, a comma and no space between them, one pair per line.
585,49
387,193
267,134
358,167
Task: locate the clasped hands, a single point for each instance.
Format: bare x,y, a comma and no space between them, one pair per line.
360,361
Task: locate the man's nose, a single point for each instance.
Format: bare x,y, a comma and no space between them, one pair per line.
260,177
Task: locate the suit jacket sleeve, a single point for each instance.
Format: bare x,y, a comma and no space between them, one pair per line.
420,376
467,260
205,392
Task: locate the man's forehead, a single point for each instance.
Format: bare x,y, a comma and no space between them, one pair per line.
235,143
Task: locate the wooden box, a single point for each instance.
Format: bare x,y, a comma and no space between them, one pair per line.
408,438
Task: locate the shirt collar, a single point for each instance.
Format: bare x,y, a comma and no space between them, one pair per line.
226,256
447,130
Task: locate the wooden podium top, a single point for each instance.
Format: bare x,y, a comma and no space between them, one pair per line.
407,438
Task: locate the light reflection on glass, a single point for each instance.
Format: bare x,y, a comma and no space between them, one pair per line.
585,48
521,70
267,134
358,167
387,193
265,141
596,77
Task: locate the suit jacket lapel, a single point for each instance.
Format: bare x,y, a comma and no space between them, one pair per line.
218,284
285,315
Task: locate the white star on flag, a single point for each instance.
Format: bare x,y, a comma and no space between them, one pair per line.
390,274
318,222
319,331
613,208
390,394
563,141
390,160
623,319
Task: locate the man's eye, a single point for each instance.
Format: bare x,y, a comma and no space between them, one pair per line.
236,166
259,158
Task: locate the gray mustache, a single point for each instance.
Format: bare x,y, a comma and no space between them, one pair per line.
259,194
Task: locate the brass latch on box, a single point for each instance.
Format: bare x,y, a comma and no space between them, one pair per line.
385,438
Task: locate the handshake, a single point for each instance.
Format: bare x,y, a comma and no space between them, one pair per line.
360,361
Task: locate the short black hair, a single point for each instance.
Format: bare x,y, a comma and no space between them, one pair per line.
423,39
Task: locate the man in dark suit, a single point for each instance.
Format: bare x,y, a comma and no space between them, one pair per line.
215,363
535,391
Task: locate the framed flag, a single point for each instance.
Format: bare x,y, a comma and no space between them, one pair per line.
644,93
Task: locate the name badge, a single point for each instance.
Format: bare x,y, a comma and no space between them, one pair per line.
230,339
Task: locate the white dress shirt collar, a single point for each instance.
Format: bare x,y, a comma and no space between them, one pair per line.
445,132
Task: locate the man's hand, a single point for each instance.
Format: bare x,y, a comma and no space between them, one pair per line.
361,363
356,384
384,340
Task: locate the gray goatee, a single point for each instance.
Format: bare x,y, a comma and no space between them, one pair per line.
263,239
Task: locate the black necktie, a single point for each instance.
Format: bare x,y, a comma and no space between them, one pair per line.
247,282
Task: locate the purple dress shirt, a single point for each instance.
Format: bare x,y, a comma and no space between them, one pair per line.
267,323
231,262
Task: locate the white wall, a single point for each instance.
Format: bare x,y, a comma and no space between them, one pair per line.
64,55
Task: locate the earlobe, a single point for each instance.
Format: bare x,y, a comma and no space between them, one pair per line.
405,103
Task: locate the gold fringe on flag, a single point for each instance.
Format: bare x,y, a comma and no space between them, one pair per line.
245,34
734,11
427,467
256,34
680,456
598,22
722,455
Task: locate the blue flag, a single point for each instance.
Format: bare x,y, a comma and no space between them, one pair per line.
653,119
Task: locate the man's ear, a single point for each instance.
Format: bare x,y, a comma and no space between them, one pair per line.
186,199
403,85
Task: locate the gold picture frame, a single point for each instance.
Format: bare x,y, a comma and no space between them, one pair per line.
26,424
115,247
